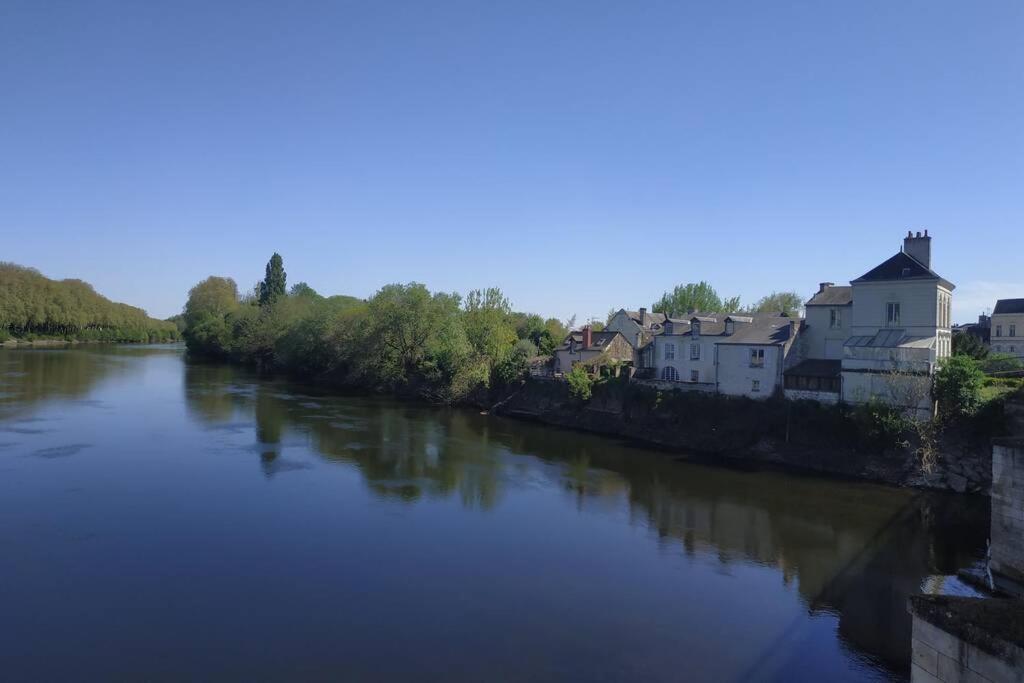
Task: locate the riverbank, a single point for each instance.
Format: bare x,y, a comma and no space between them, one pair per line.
800,435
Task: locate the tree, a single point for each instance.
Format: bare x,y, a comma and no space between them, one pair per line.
301,289
967,344
274,284
209,303
488,323
787,303
695,296
958,385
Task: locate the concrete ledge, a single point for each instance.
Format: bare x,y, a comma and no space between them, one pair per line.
994,626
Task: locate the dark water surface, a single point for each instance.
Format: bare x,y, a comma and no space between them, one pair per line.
164,520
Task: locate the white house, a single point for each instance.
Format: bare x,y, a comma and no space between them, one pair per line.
1007,327
739,355
897,320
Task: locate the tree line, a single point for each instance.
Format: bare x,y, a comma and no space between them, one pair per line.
701,296
404,339
32,305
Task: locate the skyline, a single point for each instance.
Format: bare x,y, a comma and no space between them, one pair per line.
584,157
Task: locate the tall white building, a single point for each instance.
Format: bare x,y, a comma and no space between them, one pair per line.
896,320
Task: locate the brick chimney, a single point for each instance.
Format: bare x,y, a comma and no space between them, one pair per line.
919,247
588,337
825,285
643,317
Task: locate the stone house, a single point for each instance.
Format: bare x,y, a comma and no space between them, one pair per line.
1007,327
636,326
593,349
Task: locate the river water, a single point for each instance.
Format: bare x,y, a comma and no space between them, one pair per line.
168,520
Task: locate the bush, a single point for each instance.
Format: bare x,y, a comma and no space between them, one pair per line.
4,334
958,385
580,383
881,425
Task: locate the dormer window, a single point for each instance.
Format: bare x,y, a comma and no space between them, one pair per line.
696,328
730,327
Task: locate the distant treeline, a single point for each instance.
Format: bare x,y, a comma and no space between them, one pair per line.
404,339
33,306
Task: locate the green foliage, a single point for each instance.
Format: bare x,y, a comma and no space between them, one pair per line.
206,327
301,289
515,364
580,383
274,284
965,344
33,306
488,323
788,303
996,363
699,296
958,386
881,426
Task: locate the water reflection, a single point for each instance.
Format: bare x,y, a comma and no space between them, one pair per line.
856,551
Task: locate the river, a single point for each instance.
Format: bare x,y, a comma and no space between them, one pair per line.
167,520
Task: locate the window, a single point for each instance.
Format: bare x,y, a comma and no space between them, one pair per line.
757,358
670,351
730,327
999,330
999,349
694,351
669,374
835,318
892,314
696,328
755,385
1013,349
694,376
1013,330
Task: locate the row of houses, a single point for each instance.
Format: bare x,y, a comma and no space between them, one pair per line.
882,336
1003,331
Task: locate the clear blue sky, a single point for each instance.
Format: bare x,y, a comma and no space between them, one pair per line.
582,156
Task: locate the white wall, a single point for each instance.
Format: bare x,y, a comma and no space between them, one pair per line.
819,340
682,363
1002,344
735,376
911,392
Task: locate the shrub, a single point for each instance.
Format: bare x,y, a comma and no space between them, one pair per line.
580,383
958,386
881,425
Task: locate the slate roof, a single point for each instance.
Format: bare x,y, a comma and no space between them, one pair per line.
816,367
599,341
1009,306
832,296
902,266
763,329
649,320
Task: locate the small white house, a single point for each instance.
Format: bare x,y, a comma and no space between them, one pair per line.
1007,328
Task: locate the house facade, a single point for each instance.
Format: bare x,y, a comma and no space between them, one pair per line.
897,323
592,349
730,354
1007,328
636,326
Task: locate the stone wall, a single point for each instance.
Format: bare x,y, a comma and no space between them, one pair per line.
1008,509
954,641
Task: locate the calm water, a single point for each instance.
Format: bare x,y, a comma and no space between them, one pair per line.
163,520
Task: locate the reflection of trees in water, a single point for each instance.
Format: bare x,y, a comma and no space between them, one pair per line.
855,550
31,377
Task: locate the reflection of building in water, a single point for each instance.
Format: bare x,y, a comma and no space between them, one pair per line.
854,550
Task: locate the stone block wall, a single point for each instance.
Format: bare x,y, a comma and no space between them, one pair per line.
941,656
1007,534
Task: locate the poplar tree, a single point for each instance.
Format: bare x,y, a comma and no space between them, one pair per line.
274,284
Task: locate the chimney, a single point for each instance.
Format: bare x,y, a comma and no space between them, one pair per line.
588,337
825,285
919,247
643,317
